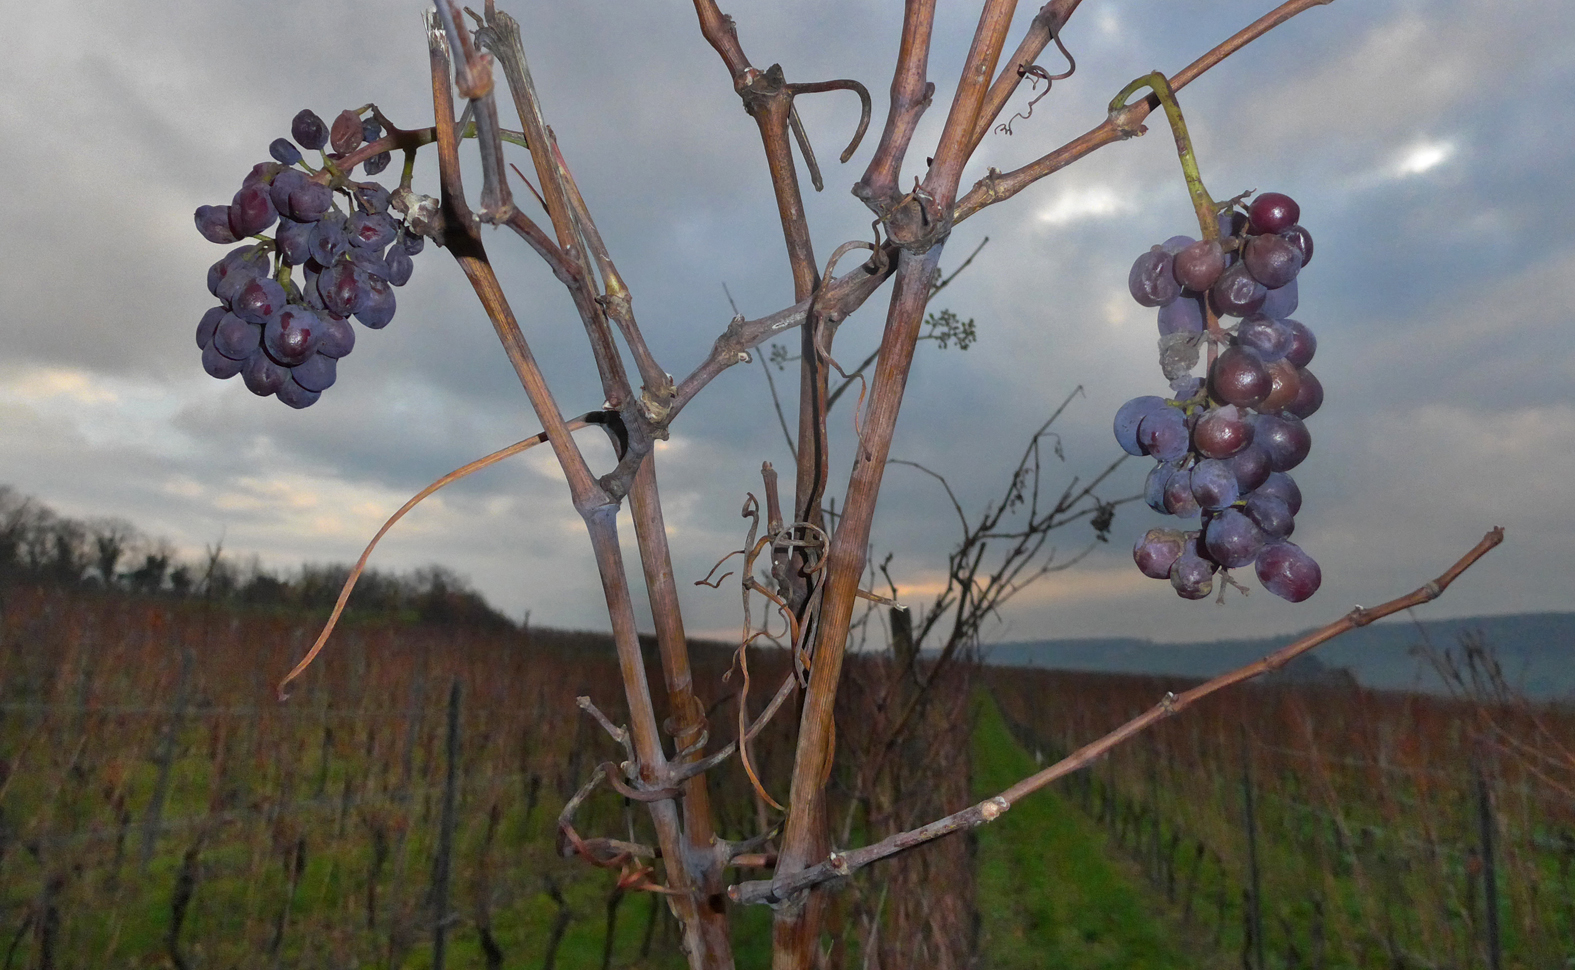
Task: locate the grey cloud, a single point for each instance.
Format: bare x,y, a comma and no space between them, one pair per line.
1444,289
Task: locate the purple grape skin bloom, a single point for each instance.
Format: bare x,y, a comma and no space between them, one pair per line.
1232,539
1151,280
1192,576
1157,552
1288,572
1127,418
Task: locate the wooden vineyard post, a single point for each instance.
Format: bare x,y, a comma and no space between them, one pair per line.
1254,914
1484,801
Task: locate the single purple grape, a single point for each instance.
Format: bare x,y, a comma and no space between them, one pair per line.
1271,514
372,230
1151,280
1232,539
1154,486
378,309
1303,344
310,201
370,262
1163,434
329,239
1285,438
251,211
1199,265
1286,382
259,300
284,151
206,326
294,240
400,266
245,266
297,396
316,373
1300,238
1213,484
1266,335
1272,212
262,375
1285,488
235,338
1192,576
345,134
1309,395
377,162
218,365
1221,432
1157,551
1182,315
1179,500
1288,572
1282,302
291,335
213,221
338,336
1127,418
343,288
1250,466
373,197
1272,261
411,243
1236,293
1238,377
308,129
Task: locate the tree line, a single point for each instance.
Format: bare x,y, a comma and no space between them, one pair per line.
43,547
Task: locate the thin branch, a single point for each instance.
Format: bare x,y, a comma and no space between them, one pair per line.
616,299
501,36
998,187
843,864
584,421
956,144
1047,26
910,95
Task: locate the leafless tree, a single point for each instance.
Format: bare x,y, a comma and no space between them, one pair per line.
815,567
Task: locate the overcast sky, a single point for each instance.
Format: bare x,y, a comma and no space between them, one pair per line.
1428,144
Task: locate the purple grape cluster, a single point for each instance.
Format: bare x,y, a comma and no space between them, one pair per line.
1224,443
285,301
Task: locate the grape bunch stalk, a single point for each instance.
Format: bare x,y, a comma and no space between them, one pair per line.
285,301
1224,443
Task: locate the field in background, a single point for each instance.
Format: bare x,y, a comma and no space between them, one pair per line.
159,808
1330,826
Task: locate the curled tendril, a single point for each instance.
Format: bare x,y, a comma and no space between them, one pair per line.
1035,73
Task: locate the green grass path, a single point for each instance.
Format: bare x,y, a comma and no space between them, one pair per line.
1048,895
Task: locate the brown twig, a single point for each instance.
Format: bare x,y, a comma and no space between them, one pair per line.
1047,26
584,421
910,95
843,864
998,187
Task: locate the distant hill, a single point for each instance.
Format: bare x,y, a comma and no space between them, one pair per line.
1536,651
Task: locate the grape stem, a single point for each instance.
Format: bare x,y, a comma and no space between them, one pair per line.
1208,215
1202,202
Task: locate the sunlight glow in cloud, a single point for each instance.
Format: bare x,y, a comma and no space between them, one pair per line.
78,386
1075,205
1423,157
